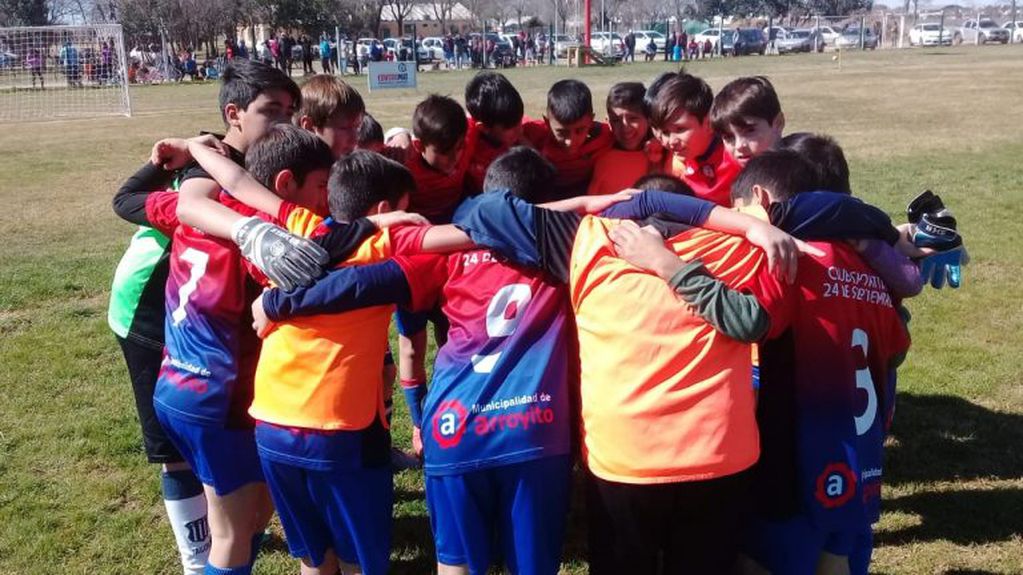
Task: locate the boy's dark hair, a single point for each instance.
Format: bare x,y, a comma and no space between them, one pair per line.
664,183
782,172
672,92
747,97
523,172
370,132
439,121
628,95
287,147
569,101
825,156
244,80
362,179
493,101
325,96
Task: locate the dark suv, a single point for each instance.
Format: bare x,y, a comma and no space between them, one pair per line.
743,42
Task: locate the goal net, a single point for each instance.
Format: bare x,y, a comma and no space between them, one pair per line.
55,72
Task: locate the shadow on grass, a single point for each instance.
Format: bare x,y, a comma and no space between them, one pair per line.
975,516
943,438
947,438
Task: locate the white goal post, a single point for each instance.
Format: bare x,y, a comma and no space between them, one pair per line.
54,72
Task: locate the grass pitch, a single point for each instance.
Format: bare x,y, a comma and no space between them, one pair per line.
75,490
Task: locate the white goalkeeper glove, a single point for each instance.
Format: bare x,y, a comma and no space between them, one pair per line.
288,260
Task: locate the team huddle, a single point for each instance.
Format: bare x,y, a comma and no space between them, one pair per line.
628,299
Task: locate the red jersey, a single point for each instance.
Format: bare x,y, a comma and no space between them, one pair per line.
710,175
437,193
484,152
574,169
827,387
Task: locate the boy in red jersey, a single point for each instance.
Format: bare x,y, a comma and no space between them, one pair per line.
252,98
320,402
202,392
679,105
569,137
628,160
439,162
495,122
748,117
438,159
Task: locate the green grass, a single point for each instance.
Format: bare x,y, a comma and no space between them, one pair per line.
75,490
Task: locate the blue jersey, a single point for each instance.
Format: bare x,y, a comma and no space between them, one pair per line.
500,387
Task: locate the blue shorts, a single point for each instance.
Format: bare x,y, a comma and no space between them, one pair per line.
224,459
332,491
410,323
515,511
793,546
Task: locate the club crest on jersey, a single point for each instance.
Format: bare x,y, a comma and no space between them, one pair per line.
449,423
836,485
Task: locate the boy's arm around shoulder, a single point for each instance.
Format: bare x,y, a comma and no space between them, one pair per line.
133,198
735,314
832,216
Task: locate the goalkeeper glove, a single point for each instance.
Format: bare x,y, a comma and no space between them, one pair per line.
937,232
944,266
287,260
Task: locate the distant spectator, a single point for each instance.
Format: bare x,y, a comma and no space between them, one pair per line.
669,46
306,46
325,59
650,51
68,58
34,63
683,41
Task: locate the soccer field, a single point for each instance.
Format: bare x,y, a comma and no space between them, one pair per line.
76,492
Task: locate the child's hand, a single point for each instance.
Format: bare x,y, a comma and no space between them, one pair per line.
399,218
597,204
644,248
170,154
654,151
174,154
782,250
260,323
417,441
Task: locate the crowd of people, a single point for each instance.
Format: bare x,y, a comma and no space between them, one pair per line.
723,400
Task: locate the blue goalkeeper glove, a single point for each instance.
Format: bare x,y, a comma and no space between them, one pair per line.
944,266
936,232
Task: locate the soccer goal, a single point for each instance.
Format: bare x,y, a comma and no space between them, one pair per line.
54,72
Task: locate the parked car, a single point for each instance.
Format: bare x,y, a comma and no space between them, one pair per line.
421,54
435,46
829,34
608,43
850,39
743,42
776,33
562,42
983,31
643,38
800,40
712,34
503,55
1016,29
930,34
